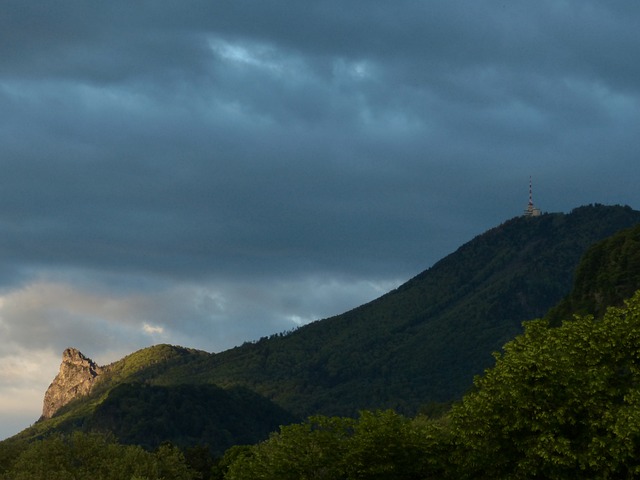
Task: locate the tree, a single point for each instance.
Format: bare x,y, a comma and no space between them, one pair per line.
310,450
377,445
94,456
560,403
389,446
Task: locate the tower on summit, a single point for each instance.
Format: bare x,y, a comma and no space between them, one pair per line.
531,210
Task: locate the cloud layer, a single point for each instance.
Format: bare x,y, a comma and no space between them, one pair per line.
211,172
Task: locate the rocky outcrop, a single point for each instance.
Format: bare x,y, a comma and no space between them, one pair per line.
77,376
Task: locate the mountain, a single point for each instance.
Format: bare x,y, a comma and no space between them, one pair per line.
418,344
425,341
125,399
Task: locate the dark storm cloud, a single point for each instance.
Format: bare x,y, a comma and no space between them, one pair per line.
219,127
207,173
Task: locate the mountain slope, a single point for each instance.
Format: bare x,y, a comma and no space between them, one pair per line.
187,415
424,341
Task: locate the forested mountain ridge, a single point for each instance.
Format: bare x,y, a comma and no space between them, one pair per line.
424,341
420,343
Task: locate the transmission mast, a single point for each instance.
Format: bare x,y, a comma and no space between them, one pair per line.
531,210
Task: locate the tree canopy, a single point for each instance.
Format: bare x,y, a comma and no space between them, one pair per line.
559,401
378,445
94,456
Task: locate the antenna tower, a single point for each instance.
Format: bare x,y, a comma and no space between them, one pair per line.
531,210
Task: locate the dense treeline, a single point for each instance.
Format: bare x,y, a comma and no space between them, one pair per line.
94,456
378,445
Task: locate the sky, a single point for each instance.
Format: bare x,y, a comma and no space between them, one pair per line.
207,173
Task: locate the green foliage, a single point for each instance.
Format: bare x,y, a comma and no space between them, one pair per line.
148,363
186,415
221,467
310,450
378,445
199,459
608,273
560,403
9,452
95,457
388,446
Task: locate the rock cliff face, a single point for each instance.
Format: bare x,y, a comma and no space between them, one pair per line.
78,374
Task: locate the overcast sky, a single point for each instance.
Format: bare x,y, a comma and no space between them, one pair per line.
206,173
